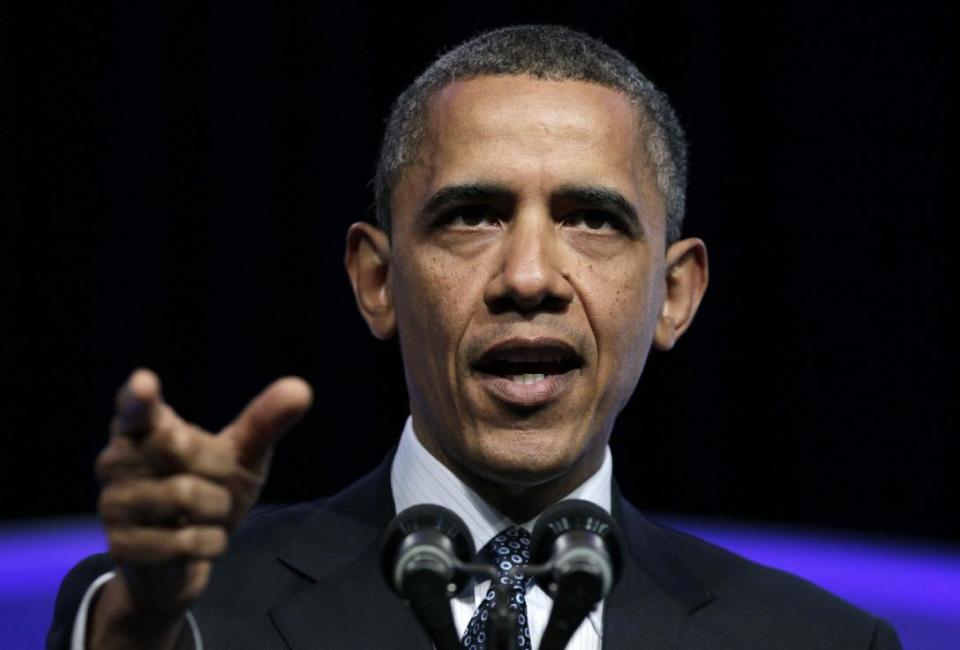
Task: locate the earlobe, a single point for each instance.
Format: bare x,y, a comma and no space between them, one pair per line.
686,280
367,261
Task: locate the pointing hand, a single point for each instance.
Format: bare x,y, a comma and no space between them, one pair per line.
171,495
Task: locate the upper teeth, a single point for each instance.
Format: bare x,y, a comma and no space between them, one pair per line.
527,378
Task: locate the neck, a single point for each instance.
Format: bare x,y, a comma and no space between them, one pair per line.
522,502
520,499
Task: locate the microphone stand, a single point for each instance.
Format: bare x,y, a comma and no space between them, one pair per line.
427,595
575,597
503,626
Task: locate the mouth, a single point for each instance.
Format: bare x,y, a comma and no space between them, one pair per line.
528,372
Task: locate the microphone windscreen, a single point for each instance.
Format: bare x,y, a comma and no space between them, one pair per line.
430,527
577,523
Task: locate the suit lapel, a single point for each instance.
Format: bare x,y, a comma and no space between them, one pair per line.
349,608
653,605
349,604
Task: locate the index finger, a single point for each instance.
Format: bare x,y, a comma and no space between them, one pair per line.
138,404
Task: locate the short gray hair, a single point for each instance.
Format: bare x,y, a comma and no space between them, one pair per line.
545,52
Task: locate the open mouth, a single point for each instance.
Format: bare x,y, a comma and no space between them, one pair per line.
526,362
528,372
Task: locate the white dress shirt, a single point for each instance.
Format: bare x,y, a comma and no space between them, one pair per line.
78,640
417,477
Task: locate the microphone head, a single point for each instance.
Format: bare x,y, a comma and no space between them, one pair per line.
577,536
425,538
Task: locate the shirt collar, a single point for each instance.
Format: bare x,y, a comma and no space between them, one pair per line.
417,477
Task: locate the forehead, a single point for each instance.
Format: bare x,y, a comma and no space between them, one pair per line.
531,133
482,101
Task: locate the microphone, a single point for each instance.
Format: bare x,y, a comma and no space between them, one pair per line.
580,549
421,552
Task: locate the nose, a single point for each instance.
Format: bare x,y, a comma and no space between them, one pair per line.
530,276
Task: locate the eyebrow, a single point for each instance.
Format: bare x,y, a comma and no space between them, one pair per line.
453,195
598,196
603,198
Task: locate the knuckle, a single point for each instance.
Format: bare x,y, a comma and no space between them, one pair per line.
201,541
185,540
184,492
172,445
189,540
182,442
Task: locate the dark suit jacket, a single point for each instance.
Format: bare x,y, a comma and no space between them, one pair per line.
307,576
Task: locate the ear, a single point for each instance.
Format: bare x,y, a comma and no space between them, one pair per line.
368,265
686,278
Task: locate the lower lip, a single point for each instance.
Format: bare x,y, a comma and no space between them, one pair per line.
537,393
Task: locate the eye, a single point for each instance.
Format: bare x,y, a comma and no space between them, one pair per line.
469,216
598,220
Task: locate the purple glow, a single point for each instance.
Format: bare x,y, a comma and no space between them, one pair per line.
917,577
916,586
35,556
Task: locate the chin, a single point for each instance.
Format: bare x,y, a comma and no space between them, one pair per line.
523,460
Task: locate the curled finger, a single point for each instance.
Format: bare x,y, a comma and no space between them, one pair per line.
151,545
185,448
120,460
171,500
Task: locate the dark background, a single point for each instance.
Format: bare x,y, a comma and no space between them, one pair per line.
178,179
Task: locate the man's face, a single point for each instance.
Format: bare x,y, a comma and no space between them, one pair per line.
527,273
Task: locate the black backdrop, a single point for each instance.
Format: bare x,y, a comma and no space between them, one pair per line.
178,180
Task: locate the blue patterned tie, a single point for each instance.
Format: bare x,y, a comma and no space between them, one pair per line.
509,549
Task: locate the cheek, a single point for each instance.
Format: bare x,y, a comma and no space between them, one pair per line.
434,304
623,308
631,332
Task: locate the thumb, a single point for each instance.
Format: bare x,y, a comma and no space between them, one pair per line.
266,418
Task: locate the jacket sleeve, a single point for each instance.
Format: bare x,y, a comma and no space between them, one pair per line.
885,637
71,592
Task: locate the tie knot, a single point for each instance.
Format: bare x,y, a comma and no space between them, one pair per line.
508,550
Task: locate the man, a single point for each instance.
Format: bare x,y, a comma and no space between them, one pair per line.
530,195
